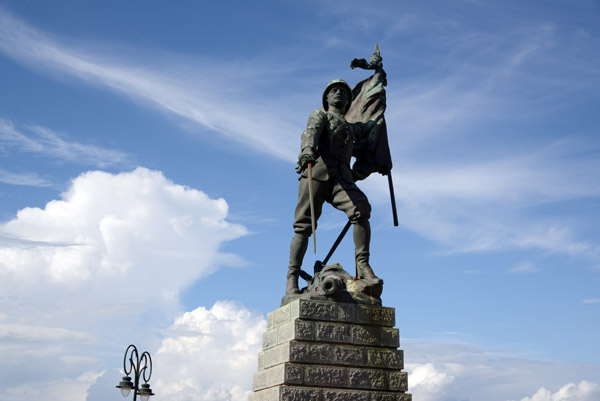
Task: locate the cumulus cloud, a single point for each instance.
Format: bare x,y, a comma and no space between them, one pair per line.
584,391
210,354
84,272
427,383
113,228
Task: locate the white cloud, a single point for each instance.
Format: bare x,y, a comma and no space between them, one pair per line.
591,301
43,141
426,383
584,391
209,354
112,227
466,372
58,390
103,263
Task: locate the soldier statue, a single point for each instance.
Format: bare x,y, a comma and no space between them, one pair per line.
350,123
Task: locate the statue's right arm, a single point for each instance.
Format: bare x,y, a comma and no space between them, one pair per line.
314,127
310,138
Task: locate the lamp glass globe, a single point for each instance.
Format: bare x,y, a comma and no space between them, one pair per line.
125,391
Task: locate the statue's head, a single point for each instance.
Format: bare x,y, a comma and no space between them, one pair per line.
339,94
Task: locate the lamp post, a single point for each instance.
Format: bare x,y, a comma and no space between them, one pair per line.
141,367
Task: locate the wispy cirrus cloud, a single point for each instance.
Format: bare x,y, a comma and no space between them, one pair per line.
524,268
45,142
26,179
473,203
469,196
204,99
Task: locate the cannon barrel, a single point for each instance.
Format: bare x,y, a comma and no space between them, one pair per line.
330,285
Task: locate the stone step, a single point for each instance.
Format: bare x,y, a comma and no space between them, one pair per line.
298,393
335,332
332,311
331,376
331,354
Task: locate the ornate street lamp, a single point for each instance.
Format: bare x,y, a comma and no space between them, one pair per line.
141,366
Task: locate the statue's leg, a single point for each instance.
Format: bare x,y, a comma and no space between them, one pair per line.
302,230
351,200
362,240
297,251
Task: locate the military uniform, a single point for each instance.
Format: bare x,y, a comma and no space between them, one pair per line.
332,138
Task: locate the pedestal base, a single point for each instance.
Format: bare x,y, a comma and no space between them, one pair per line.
318,350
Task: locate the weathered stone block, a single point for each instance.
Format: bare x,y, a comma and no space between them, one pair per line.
332,332
347,312
385,358
377,396
316,310
291,393
275,375
274,393
276,355
389,337
294,374
286,373
269,339
364,335
305,330
310,352
348,355
270,320
345,395
370,379
377,315
260,361
327,376
285,332
262,395
259,380
281,315
397,381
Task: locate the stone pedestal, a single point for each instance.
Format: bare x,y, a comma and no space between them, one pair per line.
321,350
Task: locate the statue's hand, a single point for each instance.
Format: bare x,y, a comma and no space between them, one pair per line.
306,156
360,63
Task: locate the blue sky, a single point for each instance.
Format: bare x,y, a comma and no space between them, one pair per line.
147,188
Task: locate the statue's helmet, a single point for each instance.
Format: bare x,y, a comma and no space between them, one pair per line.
340,83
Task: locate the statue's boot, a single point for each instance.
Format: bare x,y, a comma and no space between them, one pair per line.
362,239
297,251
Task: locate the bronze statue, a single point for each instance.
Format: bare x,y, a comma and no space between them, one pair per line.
342,128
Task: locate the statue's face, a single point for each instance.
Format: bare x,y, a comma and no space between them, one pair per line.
337,97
